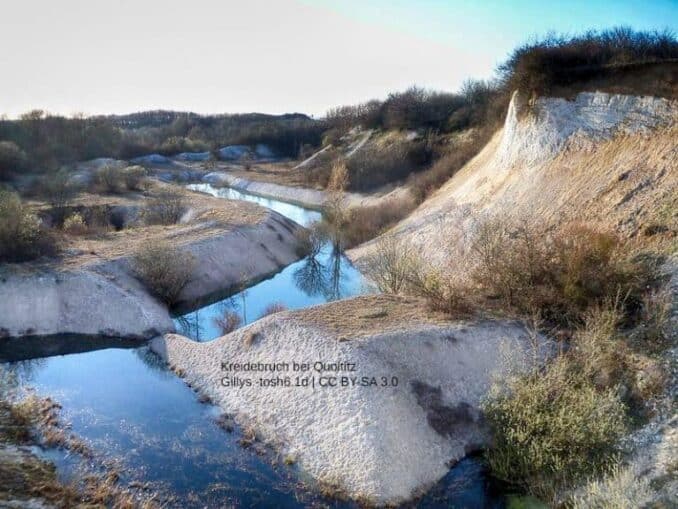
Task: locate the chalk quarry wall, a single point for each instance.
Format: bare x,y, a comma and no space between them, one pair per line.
600,158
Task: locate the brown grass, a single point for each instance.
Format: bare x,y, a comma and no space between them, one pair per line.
362,316
365,223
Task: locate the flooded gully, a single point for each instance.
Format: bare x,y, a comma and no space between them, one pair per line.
136,414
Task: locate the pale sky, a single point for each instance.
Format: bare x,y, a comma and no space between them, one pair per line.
275,56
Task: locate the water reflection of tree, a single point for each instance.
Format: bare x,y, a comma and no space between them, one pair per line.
315,278
310,277
333,291
189,325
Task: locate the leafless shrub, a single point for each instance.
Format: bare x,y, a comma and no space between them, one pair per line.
275,307
166,207
134,177
164,269
657,333
228,322
559,274
541,65
75,224
58,191
389,266
443,289
110,179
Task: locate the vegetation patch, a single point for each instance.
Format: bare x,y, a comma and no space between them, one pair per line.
22,236
164,269
228,321
165,208
553,62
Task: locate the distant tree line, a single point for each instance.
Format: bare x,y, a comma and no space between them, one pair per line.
618,60
417,108
42,141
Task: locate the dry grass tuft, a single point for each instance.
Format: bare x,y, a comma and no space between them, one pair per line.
228,322
273,308
365,223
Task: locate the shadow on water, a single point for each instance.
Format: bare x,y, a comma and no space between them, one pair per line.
31,347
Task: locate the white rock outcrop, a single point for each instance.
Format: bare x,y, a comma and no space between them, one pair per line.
600,158
537,132
100,301
381,445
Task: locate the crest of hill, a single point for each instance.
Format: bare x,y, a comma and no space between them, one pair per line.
602,158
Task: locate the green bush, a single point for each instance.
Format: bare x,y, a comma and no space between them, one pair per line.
164,269
21,236
552,430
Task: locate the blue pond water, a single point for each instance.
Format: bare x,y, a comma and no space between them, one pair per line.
139,416
300,215
314,280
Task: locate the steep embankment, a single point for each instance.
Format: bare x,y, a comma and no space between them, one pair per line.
93,291
609,159
392,397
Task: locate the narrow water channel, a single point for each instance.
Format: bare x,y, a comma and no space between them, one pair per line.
313,280
138,416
